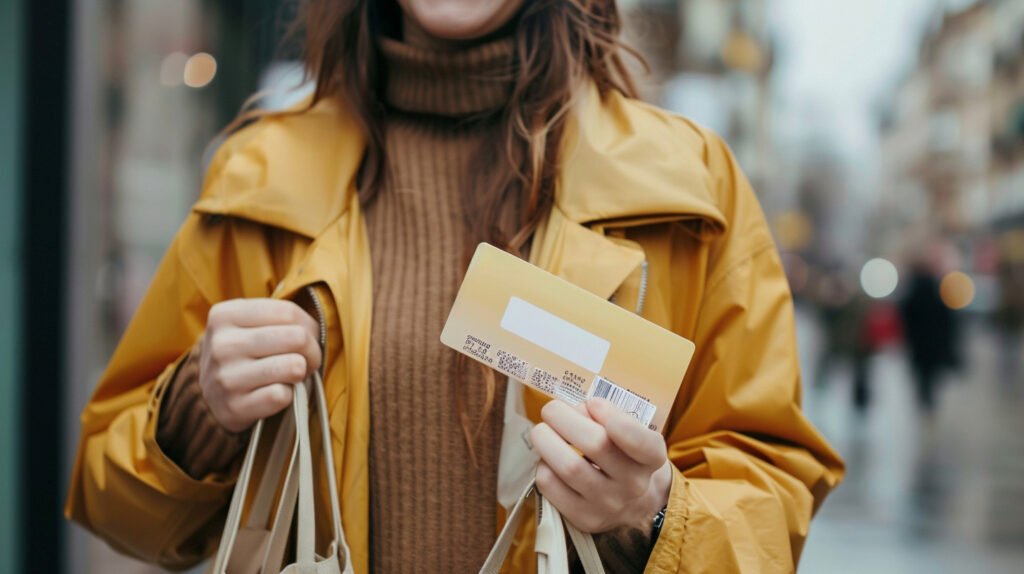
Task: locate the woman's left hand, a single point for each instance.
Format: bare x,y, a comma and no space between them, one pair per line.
624,479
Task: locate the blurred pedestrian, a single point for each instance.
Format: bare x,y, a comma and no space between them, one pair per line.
930,333
879,328
842,312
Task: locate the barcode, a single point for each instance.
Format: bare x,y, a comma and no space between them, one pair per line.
628,401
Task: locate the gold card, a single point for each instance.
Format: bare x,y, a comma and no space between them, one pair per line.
563,340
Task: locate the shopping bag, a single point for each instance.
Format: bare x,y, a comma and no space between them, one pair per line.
260,545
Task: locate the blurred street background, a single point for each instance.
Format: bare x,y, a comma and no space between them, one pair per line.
885,139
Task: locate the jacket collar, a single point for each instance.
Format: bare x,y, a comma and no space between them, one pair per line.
625,163
294,170
628,162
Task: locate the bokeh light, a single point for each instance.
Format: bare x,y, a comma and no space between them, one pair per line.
743,52
793,230
172,69
879,278
957,290
1011,243
200,70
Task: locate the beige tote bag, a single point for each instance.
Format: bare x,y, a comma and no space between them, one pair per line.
260,545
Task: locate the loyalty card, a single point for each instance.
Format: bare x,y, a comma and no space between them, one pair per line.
563,340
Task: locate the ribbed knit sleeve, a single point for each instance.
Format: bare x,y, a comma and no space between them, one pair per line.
186,429
623,550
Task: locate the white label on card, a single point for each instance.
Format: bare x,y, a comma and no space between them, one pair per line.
555,334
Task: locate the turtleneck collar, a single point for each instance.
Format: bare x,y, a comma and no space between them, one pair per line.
476,80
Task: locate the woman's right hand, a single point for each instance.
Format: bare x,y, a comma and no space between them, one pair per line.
252,352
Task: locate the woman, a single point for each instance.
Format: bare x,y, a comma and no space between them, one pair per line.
437,124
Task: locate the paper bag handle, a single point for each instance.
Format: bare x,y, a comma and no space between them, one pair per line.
552,556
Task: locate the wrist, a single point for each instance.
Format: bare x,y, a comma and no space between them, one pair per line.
654,501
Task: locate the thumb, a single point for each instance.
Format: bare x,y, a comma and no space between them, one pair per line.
643,445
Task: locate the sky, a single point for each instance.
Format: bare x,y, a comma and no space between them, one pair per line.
836,59
837,62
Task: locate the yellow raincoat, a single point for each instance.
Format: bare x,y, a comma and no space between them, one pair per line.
279,213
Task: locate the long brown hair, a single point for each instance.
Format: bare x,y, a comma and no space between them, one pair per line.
560,45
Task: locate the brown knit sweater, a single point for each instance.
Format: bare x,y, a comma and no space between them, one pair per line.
431,510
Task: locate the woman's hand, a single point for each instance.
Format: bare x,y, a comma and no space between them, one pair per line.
624,479
251,354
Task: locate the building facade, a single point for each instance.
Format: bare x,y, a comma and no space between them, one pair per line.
953,137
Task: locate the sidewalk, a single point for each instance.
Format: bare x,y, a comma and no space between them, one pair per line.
938,495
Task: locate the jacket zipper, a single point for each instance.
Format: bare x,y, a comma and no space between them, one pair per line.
315,297
641,292
642,296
